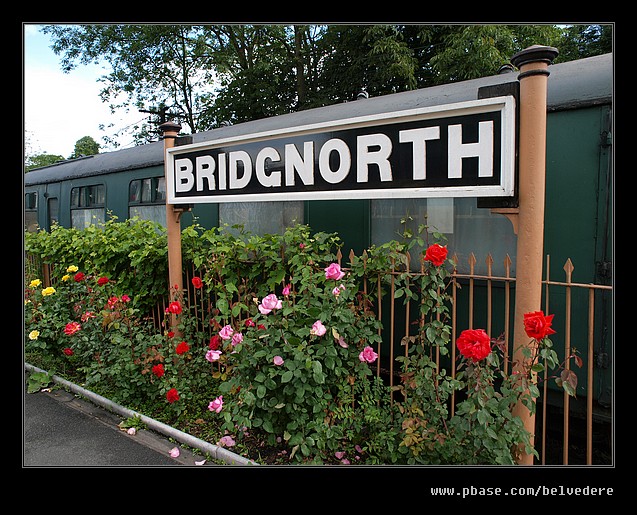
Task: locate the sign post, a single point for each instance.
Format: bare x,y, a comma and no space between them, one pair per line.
465,149
170,131
532,63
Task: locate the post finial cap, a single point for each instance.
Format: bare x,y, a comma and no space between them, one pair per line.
169,126
534,53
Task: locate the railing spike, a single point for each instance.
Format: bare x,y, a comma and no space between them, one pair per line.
472,262
508,262
568,268
489,262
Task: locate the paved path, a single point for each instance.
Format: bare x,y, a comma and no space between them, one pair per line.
62,430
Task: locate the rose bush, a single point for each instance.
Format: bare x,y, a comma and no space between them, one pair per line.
98,332
297,359
287,350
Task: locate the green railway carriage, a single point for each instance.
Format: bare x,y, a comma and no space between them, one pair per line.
578,214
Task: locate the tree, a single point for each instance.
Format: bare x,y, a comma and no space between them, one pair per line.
585,41
40,160
255,73
376,58
150,64
210,74
471,51
85,146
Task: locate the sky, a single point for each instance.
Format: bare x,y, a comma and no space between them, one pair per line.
60,108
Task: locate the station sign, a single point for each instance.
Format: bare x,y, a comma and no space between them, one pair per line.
455,150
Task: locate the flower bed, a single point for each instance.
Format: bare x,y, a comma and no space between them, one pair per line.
284,360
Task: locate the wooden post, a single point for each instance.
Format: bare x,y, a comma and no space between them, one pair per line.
170,130
532,63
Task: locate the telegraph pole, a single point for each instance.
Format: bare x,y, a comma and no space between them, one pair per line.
162,112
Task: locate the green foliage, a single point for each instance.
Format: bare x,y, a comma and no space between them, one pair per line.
40,160
266,70
134,422
89,322
85,146
285,349
133,251
38,380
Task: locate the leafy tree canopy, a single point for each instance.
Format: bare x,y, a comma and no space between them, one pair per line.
40,160
85,146
208,75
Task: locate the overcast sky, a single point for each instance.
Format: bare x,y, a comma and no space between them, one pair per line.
60,108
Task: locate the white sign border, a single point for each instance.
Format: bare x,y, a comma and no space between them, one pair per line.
505,104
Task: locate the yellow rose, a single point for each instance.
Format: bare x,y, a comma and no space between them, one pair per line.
35,283
33,335
66,277
71,269
48,291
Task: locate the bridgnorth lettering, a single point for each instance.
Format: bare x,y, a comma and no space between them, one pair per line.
408,157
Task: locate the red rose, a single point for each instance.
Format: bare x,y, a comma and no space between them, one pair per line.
182,348
172,395
474,344
158,370
78,277
72,328
102,281
436,254
215,342
174,307
196,282
68,351
537,325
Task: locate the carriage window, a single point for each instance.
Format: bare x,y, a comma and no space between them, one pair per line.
147,199
52,207
87,205
468,229
262,217
31,200
31,211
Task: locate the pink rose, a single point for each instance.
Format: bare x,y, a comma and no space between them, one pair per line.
216,405
269,303
237,338
337,290
226,332
278,360
368,354
334,272
318,328
226,441
213,355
